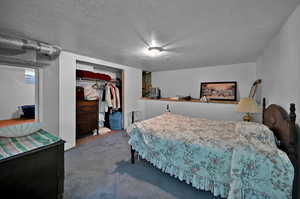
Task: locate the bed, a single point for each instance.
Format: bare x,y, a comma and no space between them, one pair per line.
233,160
32,166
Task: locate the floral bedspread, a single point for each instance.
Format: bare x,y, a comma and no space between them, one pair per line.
234,160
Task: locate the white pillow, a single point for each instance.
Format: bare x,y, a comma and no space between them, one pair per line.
20,129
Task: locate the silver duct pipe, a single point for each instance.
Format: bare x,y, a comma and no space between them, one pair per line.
24,44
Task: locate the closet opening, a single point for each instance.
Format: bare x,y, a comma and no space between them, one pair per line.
99,101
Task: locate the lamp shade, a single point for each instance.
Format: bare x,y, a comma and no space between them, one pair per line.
247,105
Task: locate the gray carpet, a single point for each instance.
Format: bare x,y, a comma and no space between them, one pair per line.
101,170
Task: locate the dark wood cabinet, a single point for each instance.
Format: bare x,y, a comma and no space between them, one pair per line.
87,117
34,174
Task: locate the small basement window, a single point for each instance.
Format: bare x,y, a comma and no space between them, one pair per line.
29,76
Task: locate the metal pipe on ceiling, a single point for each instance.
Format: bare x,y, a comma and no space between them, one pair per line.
26,44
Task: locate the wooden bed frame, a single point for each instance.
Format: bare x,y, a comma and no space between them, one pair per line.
283,125
34,174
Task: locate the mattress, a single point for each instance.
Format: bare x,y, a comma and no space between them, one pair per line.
17,145
231,159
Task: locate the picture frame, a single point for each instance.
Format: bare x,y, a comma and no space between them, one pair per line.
223,91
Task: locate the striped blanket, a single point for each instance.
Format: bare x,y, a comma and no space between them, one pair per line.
16,145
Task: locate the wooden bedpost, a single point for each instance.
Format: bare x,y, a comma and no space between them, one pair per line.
293,145
263,111
131,149
292,117
292,113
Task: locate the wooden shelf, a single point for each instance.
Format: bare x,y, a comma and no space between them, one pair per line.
193,100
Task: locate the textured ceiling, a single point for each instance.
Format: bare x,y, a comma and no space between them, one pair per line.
195,33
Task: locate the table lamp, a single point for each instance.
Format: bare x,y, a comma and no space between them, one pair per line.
247,105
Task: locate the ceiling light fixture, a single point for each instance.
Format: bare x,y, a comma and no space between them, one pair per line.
154,51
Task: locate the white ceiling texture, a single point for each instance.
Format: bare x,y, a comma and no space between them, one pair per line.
194,33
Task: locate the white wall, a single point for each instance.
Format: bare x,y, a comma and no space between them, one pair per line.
49,95
14,91
279,65
185,82
67,98
212,111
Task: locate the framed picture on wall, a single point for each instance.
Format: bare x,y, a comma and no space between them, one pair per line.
225,91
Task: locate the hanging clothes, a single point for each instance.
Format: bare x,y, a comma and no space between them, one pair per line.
108,96
101,119
112,96
106,118
118,98
103,106
90,92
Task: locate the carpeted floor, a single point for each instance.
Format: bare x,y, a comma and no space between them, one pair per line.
101,170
